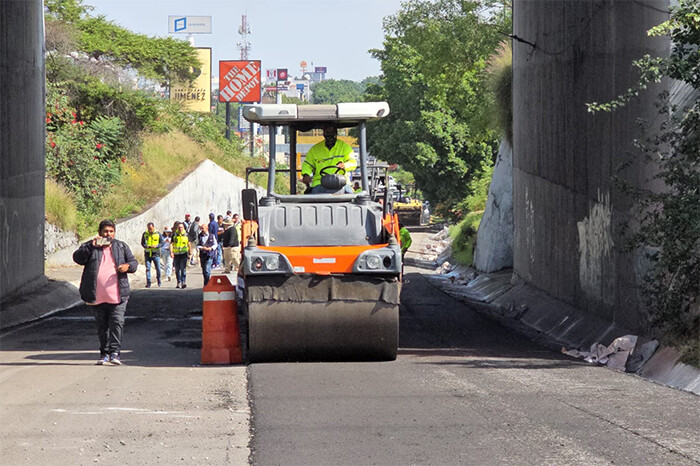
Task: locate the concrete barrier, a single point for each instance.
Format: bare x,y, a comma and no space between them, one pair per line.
208,188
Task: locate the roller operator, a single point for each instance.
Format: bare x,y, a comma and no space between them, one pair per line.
330,156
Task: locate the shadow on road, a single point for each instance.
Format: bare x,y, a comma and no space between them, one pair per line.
437,329
163,328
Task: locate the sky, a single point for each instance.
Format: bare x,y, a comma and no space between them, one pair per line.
331,33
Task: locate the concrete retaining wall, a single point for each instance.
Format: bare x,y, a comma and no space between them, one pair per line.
209,188
21,145
567,211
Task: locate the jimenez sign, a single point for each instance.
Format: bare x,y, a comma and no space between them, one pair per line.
197,98
239,81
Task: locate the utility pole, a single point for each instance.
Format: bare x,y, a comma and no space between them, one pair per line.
244,30
244,47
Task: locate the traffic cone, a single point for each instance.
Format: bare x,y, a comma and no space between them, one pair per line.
221,339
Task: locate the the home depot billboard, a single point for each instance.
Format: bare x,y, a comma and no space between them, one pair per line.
239,81
197,97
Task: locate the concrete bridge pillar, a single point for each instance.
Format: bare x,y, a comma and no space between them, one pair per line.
568,212
22,129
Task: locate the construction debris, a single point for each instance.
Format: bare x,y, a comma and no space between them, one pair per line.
616,354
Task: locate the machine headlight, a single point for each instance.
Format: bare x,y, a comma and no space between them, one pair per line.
272,262
257,263
373,262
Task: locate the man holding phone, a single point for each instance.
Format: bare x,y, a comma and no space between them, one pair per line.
105,286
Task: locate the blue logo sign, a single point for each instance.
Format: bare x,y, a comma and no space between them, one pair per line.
180,24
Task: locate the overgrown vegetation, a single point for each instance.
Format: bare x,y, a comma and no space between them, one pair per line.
500,79
61,210
670,218
97,117
464,236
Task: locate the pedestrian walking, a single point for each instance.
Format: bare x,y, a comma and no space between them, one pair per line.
193,237
220,260
233,243
406,240
187,223
152,242
104,286
179,251
207,247
165,255
214,230
232,247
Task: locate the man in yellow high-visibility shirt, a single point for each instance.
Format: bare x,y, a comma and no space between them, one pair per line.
324,157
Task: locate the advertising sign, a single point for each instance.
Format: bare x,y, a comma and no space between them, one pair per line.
197,97
271,74
243,124
281,74
239,81
320,69
189,24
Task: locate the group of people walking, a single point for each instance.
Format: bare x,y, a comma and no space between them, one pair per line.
214,244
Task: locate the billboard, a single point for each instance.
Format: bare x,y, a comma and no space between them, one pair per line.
239,81
282,74
197,97
320,69
189,24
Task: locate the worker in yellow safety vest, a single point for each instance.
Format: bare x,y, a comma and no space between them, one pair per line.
179,251
329,156
152,242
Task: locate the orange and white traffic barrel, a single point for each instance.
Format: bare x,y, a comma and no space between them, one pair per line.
221,340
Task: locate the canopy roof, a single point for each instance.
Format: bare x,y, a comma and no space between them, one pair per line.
306,117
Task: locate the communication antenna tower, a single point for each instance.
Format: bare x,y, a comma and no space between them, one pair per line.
244,30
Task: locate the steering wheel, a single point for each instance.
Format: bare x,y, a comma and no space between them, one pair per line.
327,170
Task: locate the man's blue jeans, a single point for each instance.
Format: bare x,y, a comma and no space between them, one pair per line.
206,261
156,263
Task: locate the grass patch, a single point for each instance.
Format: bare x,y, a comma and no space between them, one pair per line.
61,210
463,237
164,160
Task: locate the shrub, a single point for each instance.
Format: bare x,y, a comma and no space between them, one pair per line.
74,158
61,210
500,70
463,237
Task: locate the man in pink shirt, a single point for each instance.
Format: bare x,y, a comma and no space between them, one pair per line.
105,286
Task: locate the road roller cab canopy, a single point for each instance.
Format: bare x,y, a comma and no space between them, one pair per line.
308,117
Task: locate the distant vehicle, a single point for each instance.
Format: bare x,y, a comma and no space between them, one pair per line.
409,211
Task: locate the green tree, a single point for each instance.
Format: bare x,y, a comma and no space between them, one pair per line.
332,91
163,59
433,63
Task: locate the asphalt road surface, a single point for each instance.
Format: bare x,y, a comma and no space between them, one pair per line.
465,390
161,407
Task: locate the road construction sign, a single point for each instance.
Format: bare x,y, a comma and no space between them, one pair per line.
239,81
